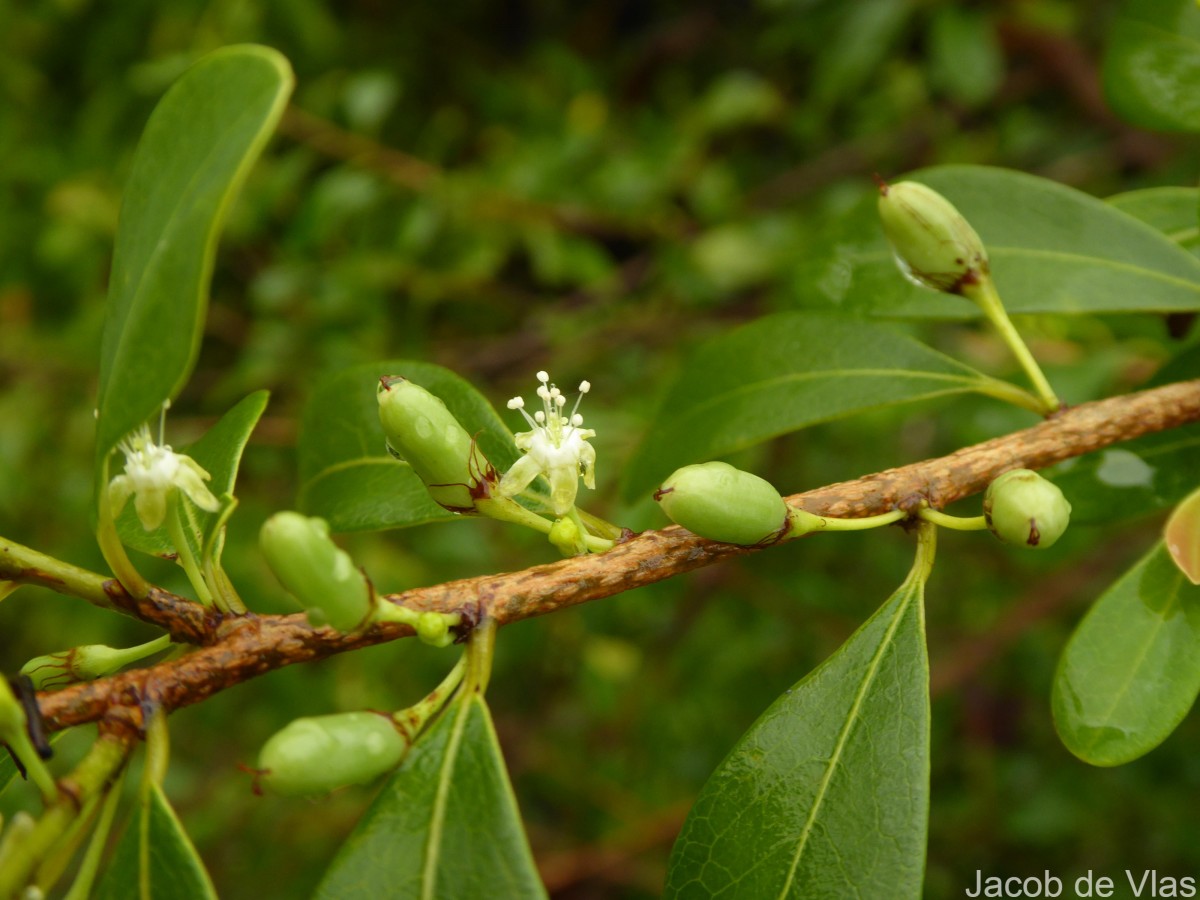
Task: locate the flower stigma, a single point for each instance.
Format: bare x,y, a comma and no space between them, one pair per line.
555,446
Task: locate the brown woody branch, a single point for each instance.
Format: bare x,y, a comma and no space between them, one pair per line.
235,649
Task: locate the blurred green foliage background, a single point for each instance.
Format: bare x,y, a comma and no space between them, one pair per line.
590,189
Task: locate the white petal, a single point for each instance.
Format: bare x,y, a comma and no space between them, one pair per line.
519,477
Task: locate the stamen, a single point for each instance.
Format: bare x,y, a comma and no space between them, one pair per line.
543,377
516,403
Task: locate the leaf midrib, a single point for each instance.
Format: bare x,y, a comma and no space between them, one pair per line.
170,230
912,589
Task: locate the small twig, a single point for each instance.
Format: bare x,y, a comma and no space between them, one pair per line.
244,647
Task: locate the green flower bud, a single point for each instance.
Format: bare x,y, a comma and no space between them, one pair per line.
566,536
424,433
434,628
319,573
1022,507
721,503
319,754
86,663
935,246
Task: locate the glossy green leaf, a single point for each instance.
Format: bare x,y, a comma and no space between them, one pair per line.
347,475
782,373
1131,670
1170,210
445,824
155,859
197,148
827,794
1140,476
219,452
1152,65
1052,249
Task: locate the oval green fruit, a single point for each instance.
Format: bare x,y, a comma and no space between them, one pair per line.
317,571
1021,507
723,503
934,245
319,754
421,431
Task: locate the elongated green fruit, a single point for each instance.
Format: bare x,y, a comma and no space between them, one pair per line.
313,568
721,503
319,754
934,245
1021,507
424,433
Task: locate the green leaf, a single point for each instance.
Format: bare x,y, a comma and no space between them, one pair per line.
156,855
1140,476
197,148
219,452
1131,670
782,373
827,794
1052,248
863,37
347,475
1170,210
445,824
1152,65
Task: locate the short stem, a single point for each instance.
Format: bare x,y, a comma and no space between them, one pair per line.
507,510
481,648
806,523
158,751
1010,393
81,888
90,778
601,527
415,716
987,298
111,547
128,655
957,523
926,551
593,543
184,550
23,565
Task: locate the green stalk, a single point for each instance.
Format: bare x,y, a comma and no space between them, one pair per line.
413,719
111,547
24,850
985,295
510,511
81,887
956,523
17,562
187,559
481,649
801,522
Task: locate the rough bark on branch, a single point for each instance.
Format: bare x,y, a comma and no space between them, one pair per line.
239,648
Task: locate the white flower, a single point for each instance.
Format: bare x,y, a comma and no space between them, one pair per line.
555,447
152,472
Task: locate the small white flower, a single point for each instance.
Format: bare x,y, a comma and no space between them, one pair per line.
152,472
555,447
